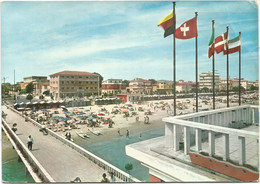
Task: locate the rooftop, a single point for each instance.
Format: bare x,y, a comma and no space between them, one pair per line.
79,73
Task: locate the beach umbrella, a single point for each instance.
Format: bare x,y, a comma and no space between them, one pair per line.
99,105
61,123
125,110
156,103
87,110
129,105
90,118
82,113
81,108
115,107
63,106
131,109
101,114
123,107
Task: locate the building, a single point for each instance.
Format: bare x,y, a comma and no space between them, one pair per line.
37,81
140,86
185,87
214,146
45,87
206,80
113,86
73,84
163,87
232,83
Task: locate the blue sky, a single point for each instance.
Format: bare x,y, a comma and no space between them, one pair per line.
121,39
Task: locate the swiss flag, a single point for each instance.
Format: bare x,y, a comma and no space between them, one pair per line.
221,43
187,30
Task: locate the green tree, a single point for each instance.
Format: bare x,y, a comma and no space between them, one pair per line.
129,167
29,88
47,93
126,82
205,90
237,88
29,97
41,97
252,87
152,81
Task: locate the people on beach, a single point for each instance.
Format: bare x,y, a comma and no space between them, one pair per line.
30,142
68,135
127,133
104,179
119,132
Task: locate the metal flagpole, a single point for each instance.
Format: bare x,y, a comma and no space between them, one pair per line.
239,93
227,73
213,69
174,59
196,44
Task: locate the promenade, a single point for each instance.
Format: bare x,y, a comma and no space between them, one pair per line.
60,161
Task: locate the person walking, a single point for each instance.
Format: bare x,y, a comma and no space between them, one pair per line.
104,179
30,142
112,177
127,133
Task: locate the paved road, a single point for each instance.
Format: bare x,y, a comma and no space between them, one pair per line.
60,161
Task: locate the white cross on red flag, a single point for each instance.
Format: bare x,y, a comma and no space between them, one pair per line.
187,30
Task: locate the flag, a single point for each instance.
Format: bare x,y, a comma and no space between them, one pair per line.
187,30
211,43
167,24
221,43
234,45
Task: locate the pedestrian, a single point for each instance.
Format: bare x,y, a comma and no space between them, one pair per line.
147,119
30,142
104,179
127,133
112,177
119,132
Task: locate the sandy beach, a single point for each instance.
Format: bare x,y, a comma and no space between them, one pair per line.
122,124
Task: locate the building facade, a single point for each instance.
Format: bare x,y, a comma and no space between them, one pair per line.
233,83
206,80
73,84
113,86
37,81
140,86
164,87
185,87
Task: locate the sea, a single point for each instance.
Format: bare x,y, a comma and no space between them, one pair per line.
113,151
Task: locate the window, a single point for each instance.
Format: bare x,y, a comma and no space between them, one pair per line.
86,87
80,82
91,88
80,77
87,82
62,82
72,87
80,87
68,76
62,88
72,82
67,82
90,82
72,76
86,77
62,76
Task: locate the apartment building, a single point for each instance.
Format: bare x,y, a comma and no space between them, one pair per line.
140,86
163,87
113,86
37,81
206,80
73,84
233,83
185,87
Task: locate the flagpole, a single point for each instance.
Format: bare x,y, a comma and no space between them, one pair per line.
213,70
174,59
196,44
227,73
239,72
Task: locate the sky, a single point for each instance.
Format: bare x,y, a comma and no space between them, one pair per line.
121,39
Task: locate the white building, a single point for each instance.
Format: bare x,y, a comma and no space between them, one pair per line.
206,80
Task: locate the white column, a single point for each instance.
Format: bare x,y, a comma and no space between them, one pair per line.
242,150
186,140
211,143
252,116
198,139
226,147
176,137
169,134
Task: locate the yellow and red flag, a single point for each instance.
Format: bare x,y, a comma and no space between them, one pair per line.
167,24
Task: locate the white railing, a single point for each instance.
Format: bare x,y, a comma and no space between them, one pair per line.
193,128
36,170
92,157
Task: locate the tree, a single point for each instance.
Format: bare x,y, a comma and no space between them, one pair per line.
47,93
29,88
237,88
29,97
252,87
152,81
129,167
126,82
100,79
205,90
41,97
